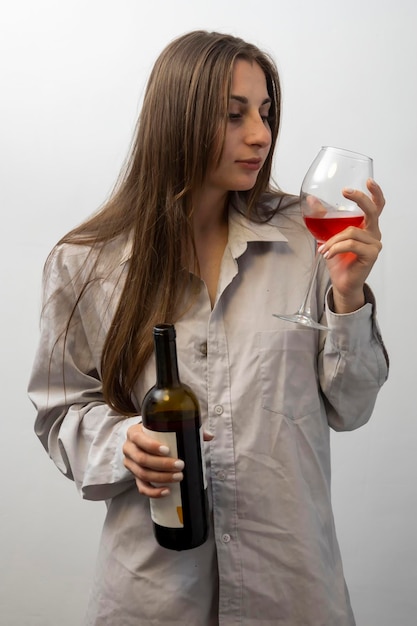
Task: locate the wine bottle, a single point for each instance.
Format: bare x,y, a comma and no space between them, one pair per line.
171,414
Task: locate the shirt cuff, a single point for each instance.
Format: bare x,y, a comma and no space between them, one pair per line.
351,330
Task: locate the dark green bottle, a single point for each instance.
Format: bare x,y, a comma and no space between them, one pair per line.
171,414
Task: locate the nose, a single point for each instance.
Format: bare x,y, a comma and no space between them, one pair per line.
258,131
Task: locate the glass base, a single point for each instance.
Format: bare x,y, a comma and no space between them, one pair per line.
304,320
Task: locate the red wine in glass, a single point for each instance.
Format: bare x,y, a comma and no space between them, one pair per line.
322,228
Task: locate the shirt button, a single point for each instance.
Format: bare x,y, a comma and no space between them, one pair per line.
221,475
218,409
226,538
203,348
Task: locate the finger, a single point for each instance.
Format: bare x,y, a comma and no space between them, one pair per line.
136,435
149,490
351,232
376,194
150,483
360,197
207,436
316,207
366,249
371,205
138,457
363,201
154,476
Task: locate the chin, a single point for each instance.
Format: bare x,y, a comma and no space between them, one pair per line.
246,187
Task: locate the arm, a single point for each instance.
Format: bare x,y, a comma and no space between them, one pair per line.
86,439
353,364
82,435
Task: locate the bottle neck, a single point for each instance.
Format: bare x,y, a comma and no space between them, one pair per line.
166,360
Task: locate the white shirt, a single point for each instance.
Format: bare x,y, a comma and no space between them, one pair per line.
268,391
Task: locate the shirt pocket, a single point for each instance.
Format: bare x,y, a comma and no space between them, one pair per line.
288,372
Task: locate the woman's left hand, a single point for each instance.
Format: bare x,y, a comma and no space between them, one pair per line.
352,253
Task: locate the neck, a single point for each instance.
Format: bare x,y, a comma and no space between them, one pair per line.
210,224
210,213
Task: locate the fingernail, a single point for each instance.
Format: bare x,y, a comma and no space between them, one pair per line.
348,190
179,464
177,477
165,492
164,450
320,248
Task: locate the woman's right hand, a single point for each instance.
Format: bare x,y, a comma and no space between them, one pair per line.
150,463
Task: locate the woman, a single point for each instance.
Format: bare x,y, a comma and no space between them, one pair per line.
196,235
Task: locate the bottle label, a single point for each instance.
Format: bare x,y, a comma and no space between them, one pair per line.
167,511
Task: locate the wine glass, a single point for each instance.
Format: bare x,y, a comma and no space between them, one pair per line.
326,211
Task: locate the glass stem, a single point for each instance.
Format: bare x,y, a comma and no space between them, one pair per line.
305,306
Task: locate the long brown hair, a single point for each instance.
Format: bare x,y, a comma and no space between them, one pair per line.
180,132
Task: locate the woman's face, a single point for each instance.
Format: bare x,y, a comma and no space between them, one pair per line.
248,134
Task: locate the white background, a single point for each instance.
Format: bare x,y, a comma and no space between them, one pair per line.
72,78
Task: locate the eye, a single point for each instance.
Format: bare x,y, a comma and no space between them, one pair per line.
234,116
267,119
266,114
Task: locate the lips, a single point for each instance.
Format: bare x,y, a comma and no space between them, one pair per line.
251,164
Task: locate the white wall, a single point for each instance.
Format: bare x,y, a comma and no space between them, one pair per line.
72,75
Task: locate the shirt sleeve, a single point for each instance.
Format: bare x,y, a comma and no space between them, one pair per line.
353,364
82,435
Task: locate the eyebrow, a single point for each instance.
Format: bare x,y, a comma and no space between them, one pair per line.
244,100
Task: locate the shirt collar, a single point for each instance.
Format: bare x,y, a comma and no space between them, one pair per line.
242,230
